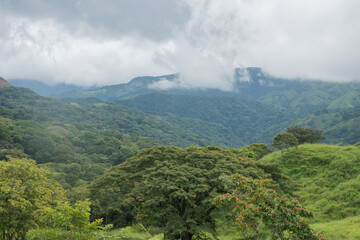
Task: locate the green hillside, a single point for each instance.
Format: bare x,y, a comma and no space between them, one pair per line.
27,105
329,185
79,140
347,101
340,128
329,178
249,121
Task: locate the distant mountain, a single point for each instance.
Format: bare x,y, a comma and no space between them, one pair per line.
135,87
44,89
149,84
340,128
296,97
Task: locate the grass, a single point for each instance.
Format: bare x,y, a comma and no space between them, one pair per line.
345,229
329,179
133,233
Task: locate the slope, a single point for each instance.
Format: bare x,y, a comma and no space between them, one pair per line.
339,127
293,96
27,105
249,121
329,178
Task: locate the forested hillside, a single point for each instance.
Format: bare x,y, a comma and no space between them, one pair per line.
249,121
112,153
339,127
27,105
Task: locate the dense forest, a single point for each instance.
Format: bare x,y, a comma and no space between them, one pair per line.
132,162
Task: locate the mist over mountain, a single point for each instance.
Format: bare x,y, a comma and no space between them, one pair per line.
45,89
258,106
296,96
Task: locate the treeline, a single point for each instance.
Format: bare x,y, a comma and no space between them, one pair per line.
23,104
181,192
75,156
75,149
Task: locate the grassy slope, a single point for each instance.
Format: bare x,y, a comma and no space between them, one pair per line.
329,178
345,229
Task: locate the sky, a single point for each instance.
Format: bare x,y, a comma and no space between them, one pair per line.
93,42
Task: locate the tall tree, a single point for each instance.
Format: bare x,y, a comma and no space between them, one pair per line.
25,191
305,134
256,207
283,141
169,187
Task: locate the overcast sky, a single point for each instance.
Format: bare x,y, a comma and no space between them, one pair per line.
87,42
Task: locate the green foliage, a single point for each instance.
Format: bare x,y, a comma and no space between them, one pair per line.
328,176
255,206
305,135
245,121
75,156
6,130
68,222
338,128
283,141
35,140
345,229
305,97
254,150
25,191
87,115
169,187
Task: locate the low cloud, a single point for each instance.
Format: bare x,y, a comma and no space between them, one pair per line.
92,43
306,39
46,51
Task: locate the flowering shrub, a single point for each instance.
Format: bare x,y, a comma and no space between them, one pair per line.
256,207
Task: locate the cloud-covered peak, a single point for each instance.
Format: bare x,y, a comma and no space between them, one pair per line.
108,42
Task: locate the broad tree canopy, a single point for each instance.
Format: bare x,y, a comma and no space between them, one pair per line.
305,134
171,188
25,191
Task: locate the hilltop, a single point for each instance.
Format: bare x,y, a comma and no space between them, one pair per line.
329,184
4,83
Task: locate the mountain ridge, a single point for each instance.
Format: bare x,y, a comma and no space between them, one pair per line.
295,96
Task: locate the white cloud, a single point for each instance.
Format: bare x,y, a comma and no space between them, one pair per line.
118,41
46,51
309,39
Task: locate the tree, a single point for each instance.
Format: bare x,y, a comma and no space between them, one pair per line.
284,141
305,135
25,191
256,208
254,150
68,222
168,187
